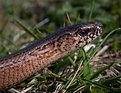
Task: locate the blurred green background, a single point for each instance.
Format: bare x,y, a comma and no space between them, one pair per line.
33,13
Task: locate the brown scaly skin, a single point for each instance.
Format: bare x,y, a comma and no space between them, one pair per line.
18,66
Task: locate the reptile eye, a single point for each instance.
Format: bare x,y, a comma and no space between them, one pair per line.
83,33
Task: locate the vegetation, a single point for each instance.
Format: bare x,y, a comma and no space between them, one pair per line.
24,21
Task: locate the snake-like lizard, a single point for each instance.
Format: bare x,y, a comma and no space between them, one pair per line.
18,66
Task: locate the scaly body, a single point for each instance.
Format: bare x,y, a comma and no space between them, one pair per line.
18,66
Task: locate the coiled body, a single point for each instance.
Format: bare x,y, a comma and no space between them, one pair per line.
18,66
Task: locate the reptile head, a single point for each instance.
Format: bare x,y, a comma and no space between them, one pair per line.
89,31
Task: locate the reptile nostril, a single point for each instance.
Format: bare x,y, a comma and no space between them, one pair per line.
99,25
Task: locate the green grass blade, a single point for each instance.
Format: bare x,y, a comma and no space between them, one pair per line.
112,79
100,70
86,70
26,29
91,10
112,90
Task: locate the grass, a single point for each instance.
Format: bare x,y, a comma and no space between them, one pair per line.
73,73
